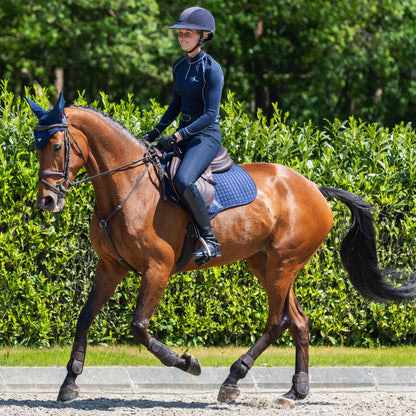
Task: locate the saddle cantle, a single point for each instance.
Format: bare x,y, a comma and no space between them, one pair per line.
205,184
222,162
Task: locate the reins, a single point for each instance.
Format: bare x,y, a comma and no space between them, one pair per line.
151,157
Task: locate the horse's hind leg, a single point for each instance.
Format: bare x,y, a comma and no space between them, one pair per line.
299,329
278,320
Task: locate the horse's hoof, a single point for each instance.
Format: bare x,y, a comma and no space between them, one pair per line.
300,384
299,389
194,366
68,394
228,393
284,403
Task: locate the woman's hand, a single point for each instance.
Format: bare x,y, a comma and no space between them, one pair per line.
166,142
151,135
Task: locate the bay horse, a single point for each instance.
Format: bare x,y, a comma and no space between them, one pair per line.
135,228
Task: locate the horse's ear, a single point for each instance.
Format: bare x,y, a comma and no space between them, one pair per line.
61,102
59,108
55,113
36,108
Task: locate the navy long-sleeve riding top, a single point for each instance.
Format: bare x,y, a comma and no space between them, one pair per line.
197,90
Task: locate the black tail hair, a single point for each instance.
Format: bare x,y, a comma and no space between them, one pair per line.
359,255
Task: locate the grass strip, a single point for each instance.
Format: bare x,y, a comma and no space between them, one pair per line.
113,355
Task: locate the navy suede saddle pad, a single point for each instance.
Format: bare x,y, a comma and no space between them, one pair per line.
233,188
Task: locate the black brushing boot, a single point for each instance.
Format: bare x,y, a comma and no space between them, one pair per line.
209,245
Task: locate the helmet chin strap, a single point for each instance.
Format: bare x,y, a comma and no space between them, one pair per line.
201,41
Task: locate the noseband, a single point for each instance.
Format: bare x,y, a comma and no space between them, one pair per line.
66,184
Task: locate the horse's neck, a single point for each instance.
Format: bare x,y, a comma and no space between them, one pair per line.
109,148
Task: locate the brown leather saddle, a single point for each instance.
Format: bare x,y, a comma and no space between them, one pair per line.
205,184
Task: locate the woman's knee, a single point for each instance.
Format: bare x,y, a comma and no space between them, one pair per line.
180,183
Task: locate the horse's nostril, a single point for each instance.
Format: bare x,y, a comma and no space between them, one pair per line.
48,201
51,203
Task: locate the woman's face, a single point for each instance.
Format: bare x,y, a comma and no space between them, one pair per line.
188,38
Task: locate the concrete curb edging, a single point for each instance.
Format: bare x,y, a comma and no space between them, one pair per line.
170,380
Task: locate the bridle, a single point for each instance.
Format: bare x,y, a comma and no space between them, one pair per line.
66,184
151,157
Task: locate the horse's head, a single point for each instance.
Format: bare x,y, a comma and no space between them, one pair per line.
54,145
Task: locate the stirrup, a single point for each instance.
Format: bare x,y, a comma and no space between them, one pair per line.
209,248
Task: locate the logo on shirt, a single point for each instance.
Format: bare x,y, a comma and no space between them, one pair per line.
194,79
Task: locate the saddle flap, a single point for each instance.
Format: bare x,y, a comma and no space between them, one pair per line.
205,184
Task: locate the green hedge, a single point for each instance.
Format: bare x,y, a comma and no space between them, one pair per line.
47,263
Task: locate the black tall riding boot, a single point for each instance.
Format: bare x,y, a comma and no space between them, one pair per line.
196,205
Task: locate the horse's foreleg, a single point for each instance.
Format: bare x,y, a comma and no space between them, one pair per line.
299,329
150,294
105,282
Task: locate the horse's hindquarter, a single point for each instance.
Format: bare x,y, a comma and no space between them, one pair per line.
289,211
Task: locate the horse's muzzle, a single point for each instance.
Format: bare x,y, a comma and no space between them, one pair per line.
51,202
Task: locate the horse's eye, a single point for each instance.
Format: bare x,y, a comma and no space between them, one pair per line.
57,148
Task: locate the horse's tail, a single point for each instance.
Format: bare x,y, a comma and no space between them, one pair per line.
359,255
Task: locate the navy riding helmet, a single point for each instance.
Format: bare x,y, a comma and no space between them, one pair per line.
196,18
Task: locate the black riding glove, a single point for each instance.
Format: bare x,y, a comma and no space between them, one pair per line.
165,143
151,135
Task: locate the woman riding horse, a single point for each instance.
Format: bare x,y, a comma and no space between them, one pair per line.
132,228
197,88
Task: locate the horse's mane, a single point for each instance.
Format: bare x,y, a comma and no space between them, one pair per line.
111,120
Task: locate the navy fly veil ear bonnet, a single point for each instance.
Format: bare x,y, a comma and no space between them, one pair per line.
54,117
